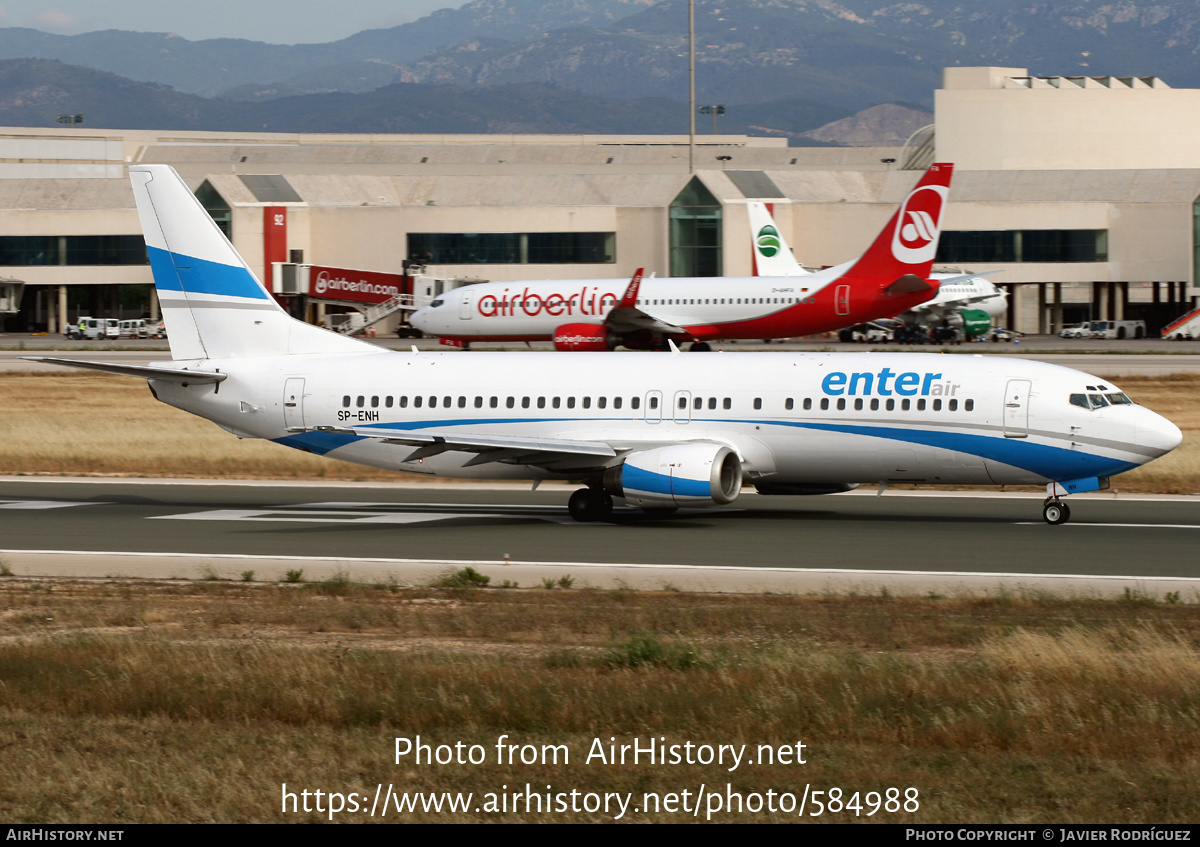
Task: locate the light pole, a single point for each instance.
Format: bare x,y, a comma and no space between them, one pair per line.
714,111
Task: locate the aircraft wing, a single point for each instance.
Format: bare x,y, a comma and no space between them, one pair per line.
633,319
180,375
627,317
555,453
953,304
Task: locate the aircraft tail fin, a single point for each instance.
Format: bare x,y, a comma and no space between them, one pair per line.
629,298
909,242
771,253
213,304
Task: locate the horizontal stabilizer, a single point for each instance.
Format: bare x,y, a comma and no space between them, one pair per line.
145,371
908,284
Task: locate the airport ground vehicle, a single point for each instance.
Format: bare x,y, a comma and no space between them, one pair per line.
133,328
1083,330
1118,329
95,329
869,333
656,430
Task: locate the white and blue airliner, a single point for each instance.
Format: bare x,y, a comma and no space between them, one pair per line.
654,430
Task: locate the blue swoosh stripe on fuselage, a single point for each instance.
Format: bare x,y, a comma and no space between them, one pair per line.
1041,459
1044,460
318,443
197,276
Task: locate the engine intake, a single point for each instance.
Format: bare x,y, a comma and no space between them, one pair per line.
677,475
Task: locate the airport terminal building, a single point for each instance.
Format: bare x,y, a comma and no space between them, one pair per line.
1081,193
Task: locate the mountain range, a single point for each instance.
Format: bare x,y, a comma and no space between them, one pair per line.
786,66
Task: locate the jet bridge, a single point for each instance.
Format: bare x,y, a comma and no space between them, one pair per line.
10,295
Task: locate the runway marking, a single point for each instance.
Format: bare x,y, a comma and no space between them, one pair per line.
45,504
1119,525
401,515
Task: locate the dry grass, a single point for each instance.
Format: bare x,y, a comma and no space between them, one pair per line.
81,424
139,702
84,424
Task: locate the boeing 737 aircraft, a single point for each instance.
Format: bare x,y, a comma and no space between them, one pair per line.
584,314
969,301
655,430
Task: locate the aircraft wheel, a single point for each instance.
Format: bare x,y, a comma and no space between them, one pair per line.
1056,512
590,504
700,347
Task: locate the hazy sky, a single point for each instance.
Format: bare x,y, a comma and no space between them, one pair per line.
273,21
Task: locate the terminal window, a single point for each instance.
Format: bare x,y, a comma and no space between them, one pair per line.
1023,245
512,248
24,250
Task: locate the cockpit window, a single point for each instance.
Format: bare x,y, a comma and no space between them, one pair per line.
1099,401
436,303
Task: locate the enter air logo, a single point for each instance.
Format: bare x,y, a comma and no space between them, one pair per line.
915,238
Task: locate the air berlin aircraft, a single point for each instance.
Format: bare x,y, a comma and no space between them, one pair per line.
643,314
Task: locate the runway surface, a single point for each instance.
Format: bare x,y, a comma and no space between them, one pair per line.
908,541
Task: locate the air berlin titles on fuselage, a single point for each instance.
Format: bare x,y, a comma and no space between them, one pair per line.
590,301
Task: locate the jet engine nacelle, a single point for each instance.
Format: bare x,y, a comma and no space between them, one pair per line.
974,322
678,475
585,337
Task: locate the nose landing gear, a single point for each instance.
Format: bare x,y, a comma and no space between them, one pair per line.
1056,512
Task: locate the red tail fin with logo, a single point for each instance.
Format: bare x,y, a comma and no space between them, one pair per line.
908,243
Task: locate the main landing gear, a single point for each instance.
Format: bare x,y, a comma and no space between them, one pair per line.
1055,511
590,504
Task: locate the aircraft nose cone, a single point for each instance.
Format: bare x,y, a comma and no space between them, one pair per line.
418,319
1159,434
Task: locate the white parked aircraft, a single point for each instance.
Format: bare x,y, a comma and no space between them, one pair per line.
600,314
969,301
656,430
